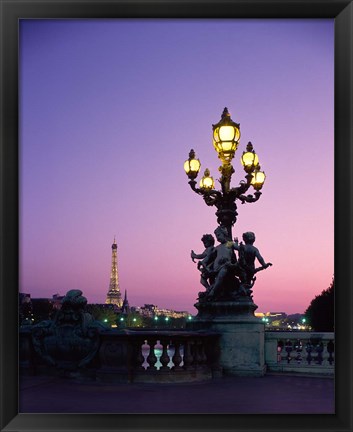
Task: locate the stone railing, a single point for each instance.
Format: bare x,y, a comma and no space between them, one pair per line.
140,356
182,355
158,356
300,352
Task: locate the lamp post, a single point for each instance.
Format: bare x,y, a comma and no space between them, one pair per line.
228,268
226,135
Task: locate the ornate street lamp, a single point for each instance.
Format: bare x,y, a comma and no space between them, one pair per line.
249,158
207,182
192,166
258,179
226,135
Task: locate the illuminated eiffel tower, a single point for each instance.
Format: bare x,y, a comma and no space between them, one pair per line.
114,295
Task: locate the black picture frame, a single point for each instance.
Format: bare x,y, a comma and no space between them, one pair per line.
13,10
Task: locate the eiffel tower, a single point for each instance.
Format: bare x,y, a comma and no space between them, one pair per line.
114,295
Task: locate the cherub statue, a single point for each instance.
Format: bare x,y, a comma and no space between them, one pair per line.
246,262
224,265
206,258
225,277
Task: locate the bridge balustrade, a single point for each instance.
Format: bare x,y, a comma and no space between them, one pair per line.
300,352
142,356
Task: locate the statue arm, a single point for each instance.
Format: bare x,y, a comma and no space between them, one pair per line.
261,260
210,257
198,256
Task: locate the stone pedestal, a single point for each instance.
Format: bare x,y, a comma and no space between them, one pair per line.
242,335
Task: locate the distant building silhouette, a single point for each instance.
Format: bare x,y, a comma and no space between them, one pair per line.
125,308
114,294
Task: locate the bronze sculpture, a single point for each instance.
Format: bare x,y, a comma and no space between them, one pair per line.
206,258
71,339
225,276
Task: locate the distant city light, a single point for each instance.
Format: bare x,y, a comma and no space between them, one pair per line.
166,318
156,318
190,317
105,320
121,319
134,319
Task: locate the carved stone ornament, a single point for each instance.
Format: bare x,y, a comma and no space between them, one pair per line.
71,339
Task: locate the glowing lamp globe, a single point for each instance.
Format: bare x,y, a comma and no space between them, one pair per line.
258,179
192,166
249,159
207,182
226,134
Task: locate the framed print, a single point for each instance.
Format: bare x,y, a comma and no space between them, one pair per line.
101,104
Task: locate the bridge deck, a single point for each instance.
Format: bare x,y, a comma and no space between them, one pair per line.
271,394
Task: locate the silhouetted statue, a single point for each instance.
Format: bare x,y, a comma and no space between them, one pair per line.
225,277
206,257
246,261
71,339
223,267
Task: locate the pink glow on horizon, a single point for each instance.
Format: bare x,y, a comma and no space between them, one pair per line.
109,110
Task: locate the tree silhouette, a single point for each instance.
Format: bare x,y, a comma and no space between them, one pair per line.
103,313
320,313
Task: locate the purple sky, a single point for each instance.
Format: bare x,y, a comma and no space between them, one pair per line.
109,110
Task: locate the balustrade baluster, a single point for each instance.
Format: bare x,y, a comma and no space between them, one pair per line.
289,348
188,357
324,362
138,358
319,349
164,359
309,349
298,347
280,346
177,357
151,358
330,350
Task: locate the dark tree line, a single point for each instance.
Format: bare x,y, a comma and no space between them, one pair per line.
320,313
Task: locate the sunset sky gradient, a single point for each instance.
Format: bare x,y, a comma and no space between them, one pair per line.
109,110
